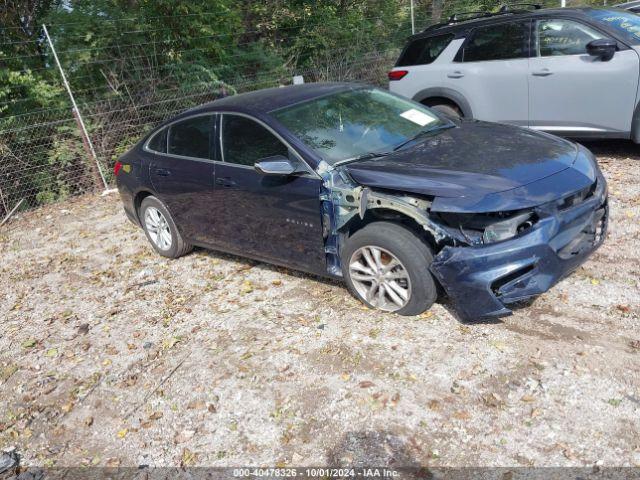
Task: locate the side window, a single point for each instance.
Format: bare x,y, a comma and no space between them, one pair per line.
424,50
497,42
563,37
245,141
158,142
190,137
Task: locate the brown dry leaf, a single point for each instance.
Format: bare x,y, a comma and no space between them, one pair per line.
88,421
195,405
624,308
395,399
366,384
493,400
188,458
635,344
434,405
156,416
527,399
461,415
276,283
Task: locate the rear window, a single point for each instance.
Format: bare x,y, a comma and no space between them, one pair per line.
158,142
424,51
497,42
190,138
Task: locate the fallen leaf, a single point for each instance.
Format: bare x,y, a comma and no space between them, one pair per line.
365,384
29,343
595,281
527,399
345,376
52,352
461,415
155,416
433,405
123,433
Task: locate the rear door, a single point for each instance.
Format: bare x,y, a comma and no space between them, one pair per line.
573,92
182,171
490,71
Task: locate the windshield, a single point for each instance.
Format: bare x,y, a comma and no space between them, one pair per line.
627,23
354,123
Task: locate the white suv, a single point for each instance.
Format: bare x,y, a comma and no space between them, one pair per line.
571,71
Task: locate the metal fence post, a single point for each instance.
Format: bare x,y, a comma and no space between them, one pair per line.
88,145
413,20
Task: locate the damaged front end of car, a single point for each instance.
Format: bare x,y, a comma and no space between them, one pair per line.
490,251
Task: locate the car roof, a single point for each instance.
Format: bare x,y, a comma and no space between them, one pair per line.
269,99
460,28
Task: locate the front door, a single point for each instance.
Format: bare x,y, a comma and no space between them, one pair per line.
490,71
182,171
573,92
276,218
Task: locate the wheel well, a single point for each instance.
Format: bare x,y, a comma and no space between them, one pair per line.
386,215
433,101
140,196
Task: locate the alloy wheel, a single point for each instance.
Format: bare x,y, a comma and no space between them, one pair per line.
380,278
158,228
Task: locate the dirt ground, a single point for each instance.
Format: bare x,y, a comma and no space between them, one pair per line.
112,355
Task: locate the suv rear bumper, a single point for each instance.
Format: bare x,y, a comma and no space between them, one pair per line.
483,280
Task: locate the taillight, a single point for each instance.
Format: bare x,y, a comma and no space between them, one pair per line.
116,168
397,74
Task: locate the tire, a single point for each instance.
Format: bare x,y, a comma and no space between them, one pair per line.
414,256
170,243
448,111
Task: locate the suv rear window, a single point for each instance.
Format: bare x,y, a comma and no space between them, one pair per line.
497,42
424,51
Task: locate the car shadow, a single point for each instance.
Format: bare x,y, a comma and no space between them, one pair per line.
377,448
624,148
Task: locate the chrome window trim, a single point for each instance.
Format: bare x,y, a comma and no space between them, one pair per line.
166,127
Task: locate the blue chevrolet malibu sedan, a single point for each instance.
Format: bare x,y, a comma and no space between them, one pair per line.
354,182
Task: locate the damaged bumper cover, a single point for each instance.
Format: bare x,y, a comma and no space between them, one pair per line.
483,280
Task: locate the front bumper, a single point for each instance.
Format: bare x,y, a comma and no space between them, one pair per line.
483,280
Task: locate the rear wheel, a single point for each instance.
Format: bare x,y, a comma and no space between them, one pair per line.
161,230
448,110
386,266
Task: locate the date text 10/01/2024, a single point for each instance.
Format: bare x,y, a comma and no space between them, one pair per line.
316,472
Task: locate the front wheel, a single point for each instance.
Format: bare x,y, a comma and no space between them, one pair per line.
386,266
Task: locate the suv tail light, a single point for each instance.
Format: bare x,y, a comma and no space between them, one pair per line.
397,74
116,168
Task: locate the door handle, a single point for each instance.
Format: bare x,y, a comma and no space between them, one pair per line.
545,72
225,182
456,74
162,172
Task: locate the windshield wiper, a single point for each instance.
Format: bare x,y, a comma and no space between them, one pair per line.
425,131
364,156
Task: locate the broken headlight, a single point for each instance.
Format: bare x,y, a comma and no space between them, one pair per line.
507,228
480,228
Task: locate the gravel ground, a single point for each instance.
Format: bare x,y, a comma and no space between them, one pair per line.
112,355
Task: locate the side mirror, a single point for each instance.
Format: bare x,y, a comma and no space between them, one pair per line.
603,48
276,165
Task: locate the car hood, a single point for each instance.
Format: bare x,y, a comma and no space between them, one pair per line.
471,161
